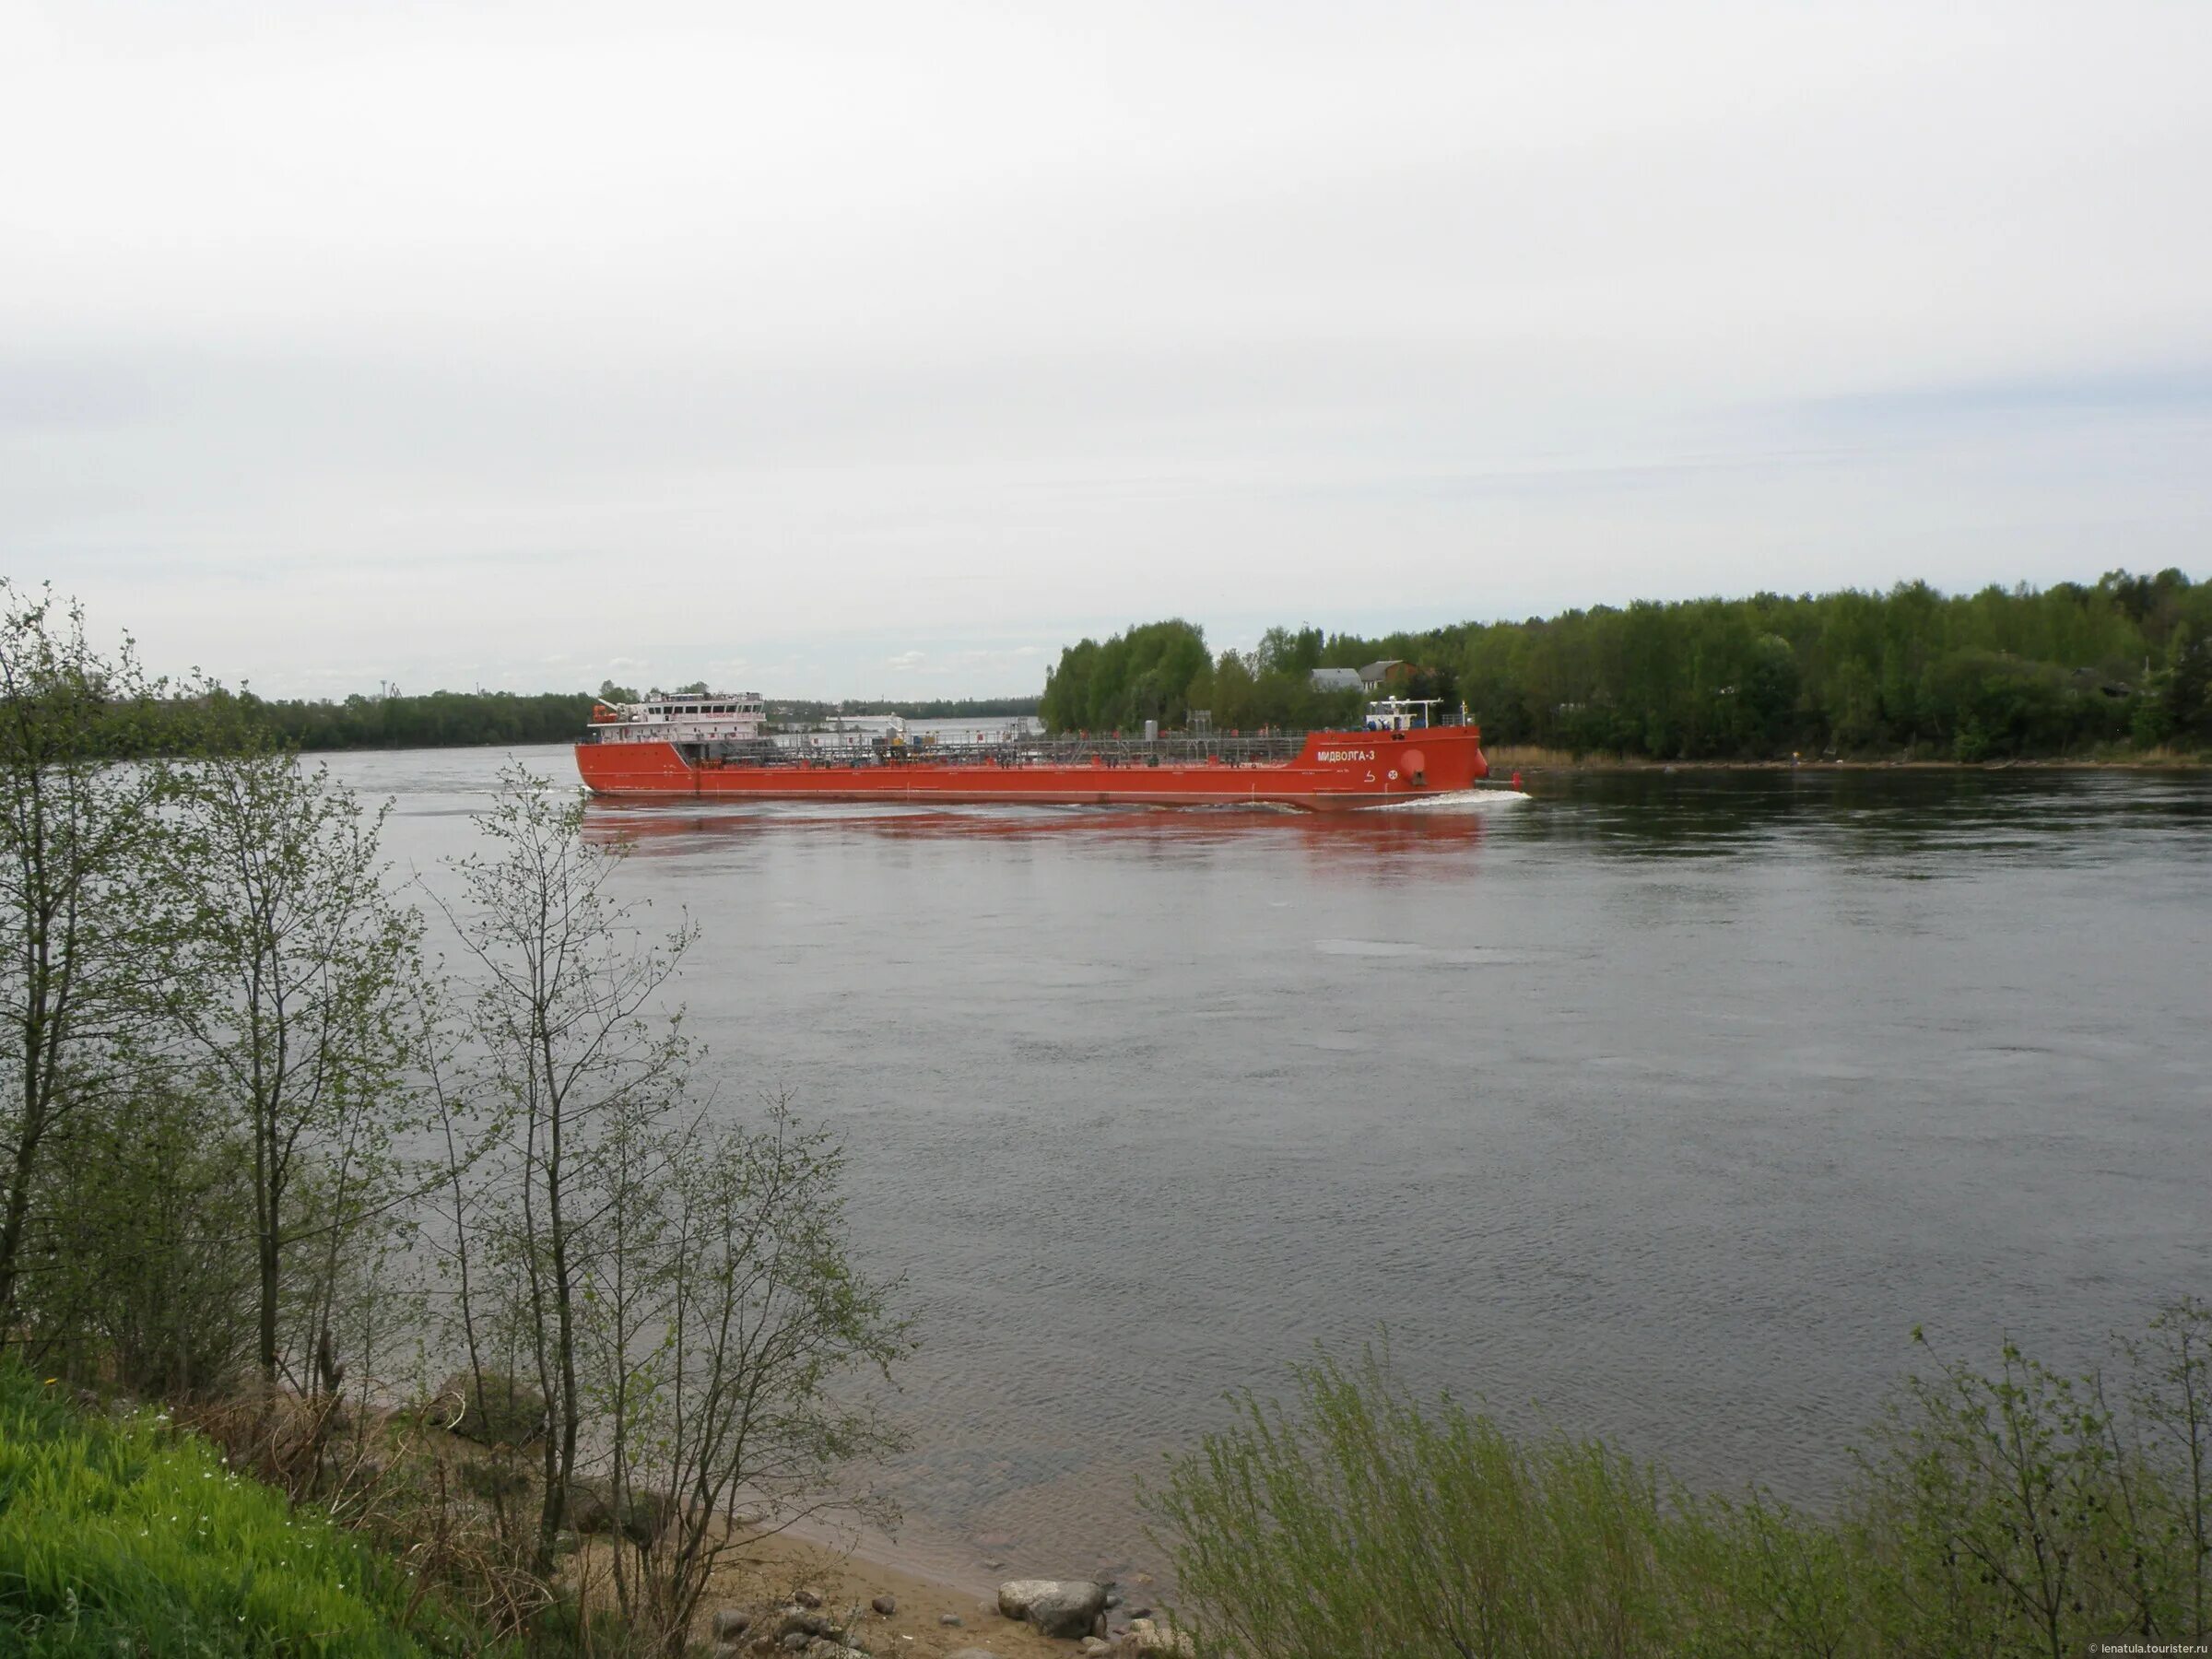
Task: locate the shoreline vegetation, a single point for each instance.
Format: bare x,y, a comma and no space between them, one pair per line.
2020,1511
2090,670
382,1277
2016,1512
268,1160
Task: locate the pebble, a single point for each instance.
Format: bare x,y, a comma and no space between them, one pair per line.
808,1599
885,1605
952,1620
731,1623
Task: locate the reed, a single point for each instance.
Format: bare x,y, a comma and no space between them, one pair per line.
2011,1514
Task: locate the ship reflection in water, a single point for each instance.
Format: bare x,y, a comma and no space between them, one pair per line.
1435,838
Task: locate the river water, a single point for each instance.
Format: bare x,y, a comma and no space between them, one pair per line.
1660,1106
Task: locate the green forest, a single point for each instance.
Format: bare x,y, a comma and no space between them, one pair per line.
438,719
2121,664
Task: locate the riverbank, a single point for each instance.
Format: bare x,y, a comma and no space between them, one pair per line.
120,1525
930,1617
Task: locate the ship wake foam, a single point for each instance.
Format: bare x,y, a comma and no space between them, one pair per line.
1455,801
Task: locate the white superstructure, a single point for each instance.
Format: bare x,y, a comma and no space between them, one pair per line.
682,717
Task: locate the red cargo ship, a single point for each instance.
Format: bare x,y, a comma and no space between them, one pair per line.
715,744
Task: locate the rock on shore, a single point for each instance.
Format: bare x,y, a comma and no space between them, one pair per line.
1151,1639
1064,1607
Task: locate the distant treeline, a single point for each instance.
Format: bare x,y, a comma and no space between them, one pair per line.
438,719
461,719
2124,663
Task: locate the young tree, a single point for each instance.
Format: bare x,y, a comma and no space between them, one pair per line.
79,804
2008,1514
2170,1394
720,1309
292,985
570,1059
679,1293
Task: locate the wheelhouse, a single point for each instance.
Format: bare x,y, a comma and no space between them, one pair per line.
1401,714
682,717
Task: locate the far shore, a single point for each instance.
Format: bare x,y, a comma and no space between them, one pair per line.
1506,759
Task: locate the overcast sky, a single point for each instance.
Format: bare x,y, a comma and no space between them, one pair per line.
836,350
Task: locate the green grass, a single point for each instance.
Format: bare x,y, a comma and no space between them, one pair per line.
132,1541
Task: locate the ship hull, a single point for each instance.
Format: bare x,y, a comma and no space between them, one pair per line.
1336,771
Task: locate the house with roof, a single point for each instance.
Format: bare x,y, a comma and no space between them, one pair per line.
1383,672
1336,679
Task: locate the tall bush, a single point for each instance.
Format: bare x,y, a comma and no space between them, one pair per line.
2021,1514
147,1276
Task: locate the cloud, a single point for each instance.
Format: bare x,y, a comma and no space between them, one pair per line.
865,341
2183,389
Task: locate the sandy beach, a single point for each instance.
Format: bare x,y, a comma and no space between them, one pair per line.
777,1566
